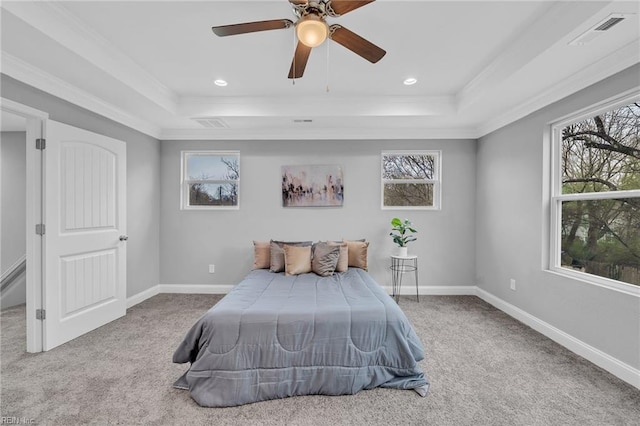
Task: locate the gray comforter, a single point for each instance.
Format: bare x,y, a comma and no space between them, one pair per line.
275,336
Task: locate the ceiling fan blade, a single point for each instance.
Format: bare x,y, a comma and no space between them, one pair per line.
356,44
251,27
340,7
299,62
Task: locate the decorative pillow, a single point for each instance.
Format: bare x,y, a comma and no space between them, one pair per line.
276,262
297,259
343,258
358,253
324,258
261,254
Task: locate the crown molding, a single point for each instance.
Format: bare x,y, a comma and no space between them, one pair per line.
529,44
28,74
324,106
428,106
615,62
33,76
324,133
54,20
60,25
19,109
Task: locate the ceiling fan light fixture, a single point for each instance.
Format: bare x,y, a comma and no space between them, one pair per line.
312,30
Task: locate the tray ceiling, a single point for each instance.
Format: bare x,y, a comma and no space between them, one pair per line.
151,65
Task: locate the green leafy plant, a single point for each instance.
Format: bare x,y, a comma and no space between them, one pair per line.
402,232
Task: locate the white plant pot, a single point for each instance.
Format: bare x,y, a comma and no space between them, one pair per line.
402,251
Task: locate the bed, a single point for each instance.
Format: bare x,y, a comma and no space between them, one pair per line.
275,336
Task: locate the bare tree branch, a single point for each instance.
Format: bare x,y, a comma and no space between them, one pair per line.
602,181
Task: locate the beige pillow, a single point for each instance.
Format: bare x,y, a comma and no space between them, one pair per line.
297,259
276,263
358,253
343,258
324,258
261,255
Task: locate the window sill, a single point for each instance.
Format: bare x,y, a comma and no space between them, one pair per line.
410,208
590,279
196,208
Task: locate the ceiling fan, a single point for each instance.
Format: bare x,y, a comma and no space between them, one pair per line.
312,30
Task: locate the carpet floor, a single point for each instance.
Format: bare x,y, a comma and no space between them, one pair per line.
485,368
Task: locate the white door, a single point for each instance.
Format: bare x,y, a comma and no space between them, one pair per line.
85,232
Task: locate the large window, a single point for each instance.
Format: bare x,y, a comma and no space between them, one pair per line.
411,180
210,179
596,195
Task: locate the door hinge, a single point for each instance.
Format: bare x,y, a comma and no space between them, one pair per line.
40,229
41,143
41,314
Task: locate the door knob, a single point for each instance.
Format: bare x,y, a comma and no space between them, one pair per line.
123,238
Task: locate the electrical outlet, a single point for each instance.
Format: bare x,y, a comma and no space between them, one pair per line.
212,269
513,284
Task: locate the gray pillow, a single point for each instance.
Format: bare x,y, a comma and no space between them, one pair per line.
277,253
324,258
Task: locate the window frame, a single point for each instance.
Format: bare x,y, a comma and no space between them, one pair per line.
185,182
556,197
436,181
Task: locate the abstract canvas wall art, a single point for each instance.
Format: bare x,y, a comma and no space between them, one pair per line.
312,186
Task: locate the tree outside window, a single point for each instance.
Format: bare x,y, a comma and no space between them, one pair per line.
210,179
411,180
598,194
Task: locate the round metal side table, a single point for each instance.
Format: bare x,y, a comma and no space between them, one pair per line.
399,266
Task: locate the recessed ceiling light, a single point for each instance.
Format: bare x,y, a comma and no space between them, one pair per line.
220,83
410,81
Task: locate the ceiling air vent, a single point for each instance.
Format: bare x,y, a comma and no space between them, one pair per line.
599,28
302,120
610,22
211,122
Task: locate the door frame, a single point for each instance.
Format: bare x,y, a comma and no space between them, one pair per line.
36,129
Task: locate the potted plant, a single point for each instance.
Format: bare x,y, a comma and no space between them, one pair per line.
402,231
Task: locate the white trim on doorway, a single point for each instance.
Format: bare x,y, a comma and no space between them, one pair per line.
36,120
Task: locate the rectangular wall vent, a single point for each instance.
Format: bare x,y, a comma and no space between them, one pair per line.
303,120
599,28
211,122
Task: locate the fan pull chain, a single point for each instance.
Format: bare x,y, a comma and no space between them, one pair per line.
327,41
293,77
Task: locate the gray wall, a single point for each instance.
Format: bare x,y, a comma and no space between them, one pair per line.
143,177
491,227
511,233
13,166
190,240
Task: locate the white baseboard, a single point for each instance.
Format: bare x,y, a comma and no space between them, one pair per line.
195,288
613,365
178,289
616,367
224,289
435,290
142,296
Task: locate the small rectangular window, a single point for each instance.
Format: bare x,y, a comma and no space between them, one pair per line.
411,180
210,179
